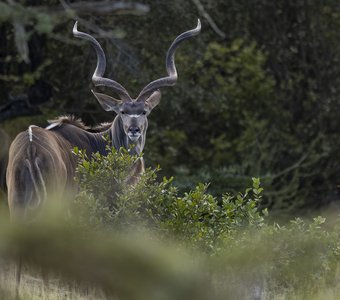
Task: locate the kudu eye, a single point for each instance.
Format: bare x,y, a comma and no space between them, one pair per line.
144,112
122,112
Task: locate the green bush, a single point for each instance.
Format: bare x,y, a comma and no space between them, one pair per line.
197,218
299,257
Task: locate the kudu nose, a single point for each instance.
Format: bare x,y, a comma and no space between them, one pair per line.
134,130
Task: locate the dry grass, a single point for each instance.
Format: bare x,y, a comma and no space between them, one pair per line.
33,287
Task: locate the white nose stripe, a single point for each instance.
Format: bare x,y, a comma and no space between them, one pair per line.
134,116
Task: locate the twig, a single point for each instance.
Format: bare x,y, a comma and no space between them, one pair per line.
296,164
100,8
211,22
107,7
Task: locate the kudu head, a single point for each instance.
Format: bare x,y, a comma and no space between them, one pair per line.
133,112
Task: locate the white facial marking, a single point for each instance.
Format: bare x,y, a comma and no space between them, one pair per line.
134,116
134,137
30,132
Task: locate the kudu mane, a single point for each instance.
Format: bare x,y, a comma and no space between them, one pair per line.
101,127
69,119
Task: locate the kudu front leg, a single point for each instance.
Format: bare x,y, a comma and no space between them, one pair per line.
136,171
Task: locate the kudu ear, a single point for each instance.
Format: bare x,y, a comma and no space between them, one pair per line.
153,100
108,103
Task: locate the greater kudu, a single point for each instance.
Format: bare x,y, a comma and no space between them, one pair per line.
41,160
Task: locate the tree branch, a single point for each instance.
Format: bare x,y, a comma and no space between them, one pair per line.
211,22
108,7
17,106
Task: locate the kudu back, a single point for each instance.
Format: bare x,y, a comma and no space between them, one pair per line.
40,159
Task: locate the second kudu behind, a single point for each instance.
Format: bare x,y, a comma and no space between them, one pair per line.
41,162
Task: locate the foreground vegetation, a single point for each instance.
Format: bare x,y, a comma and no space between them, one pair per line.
147,241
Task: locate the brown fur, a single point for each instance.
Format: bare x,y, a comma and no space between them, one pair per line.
37,168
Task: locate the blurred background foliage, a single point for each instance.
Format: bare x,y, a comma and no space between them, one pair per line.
257,95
